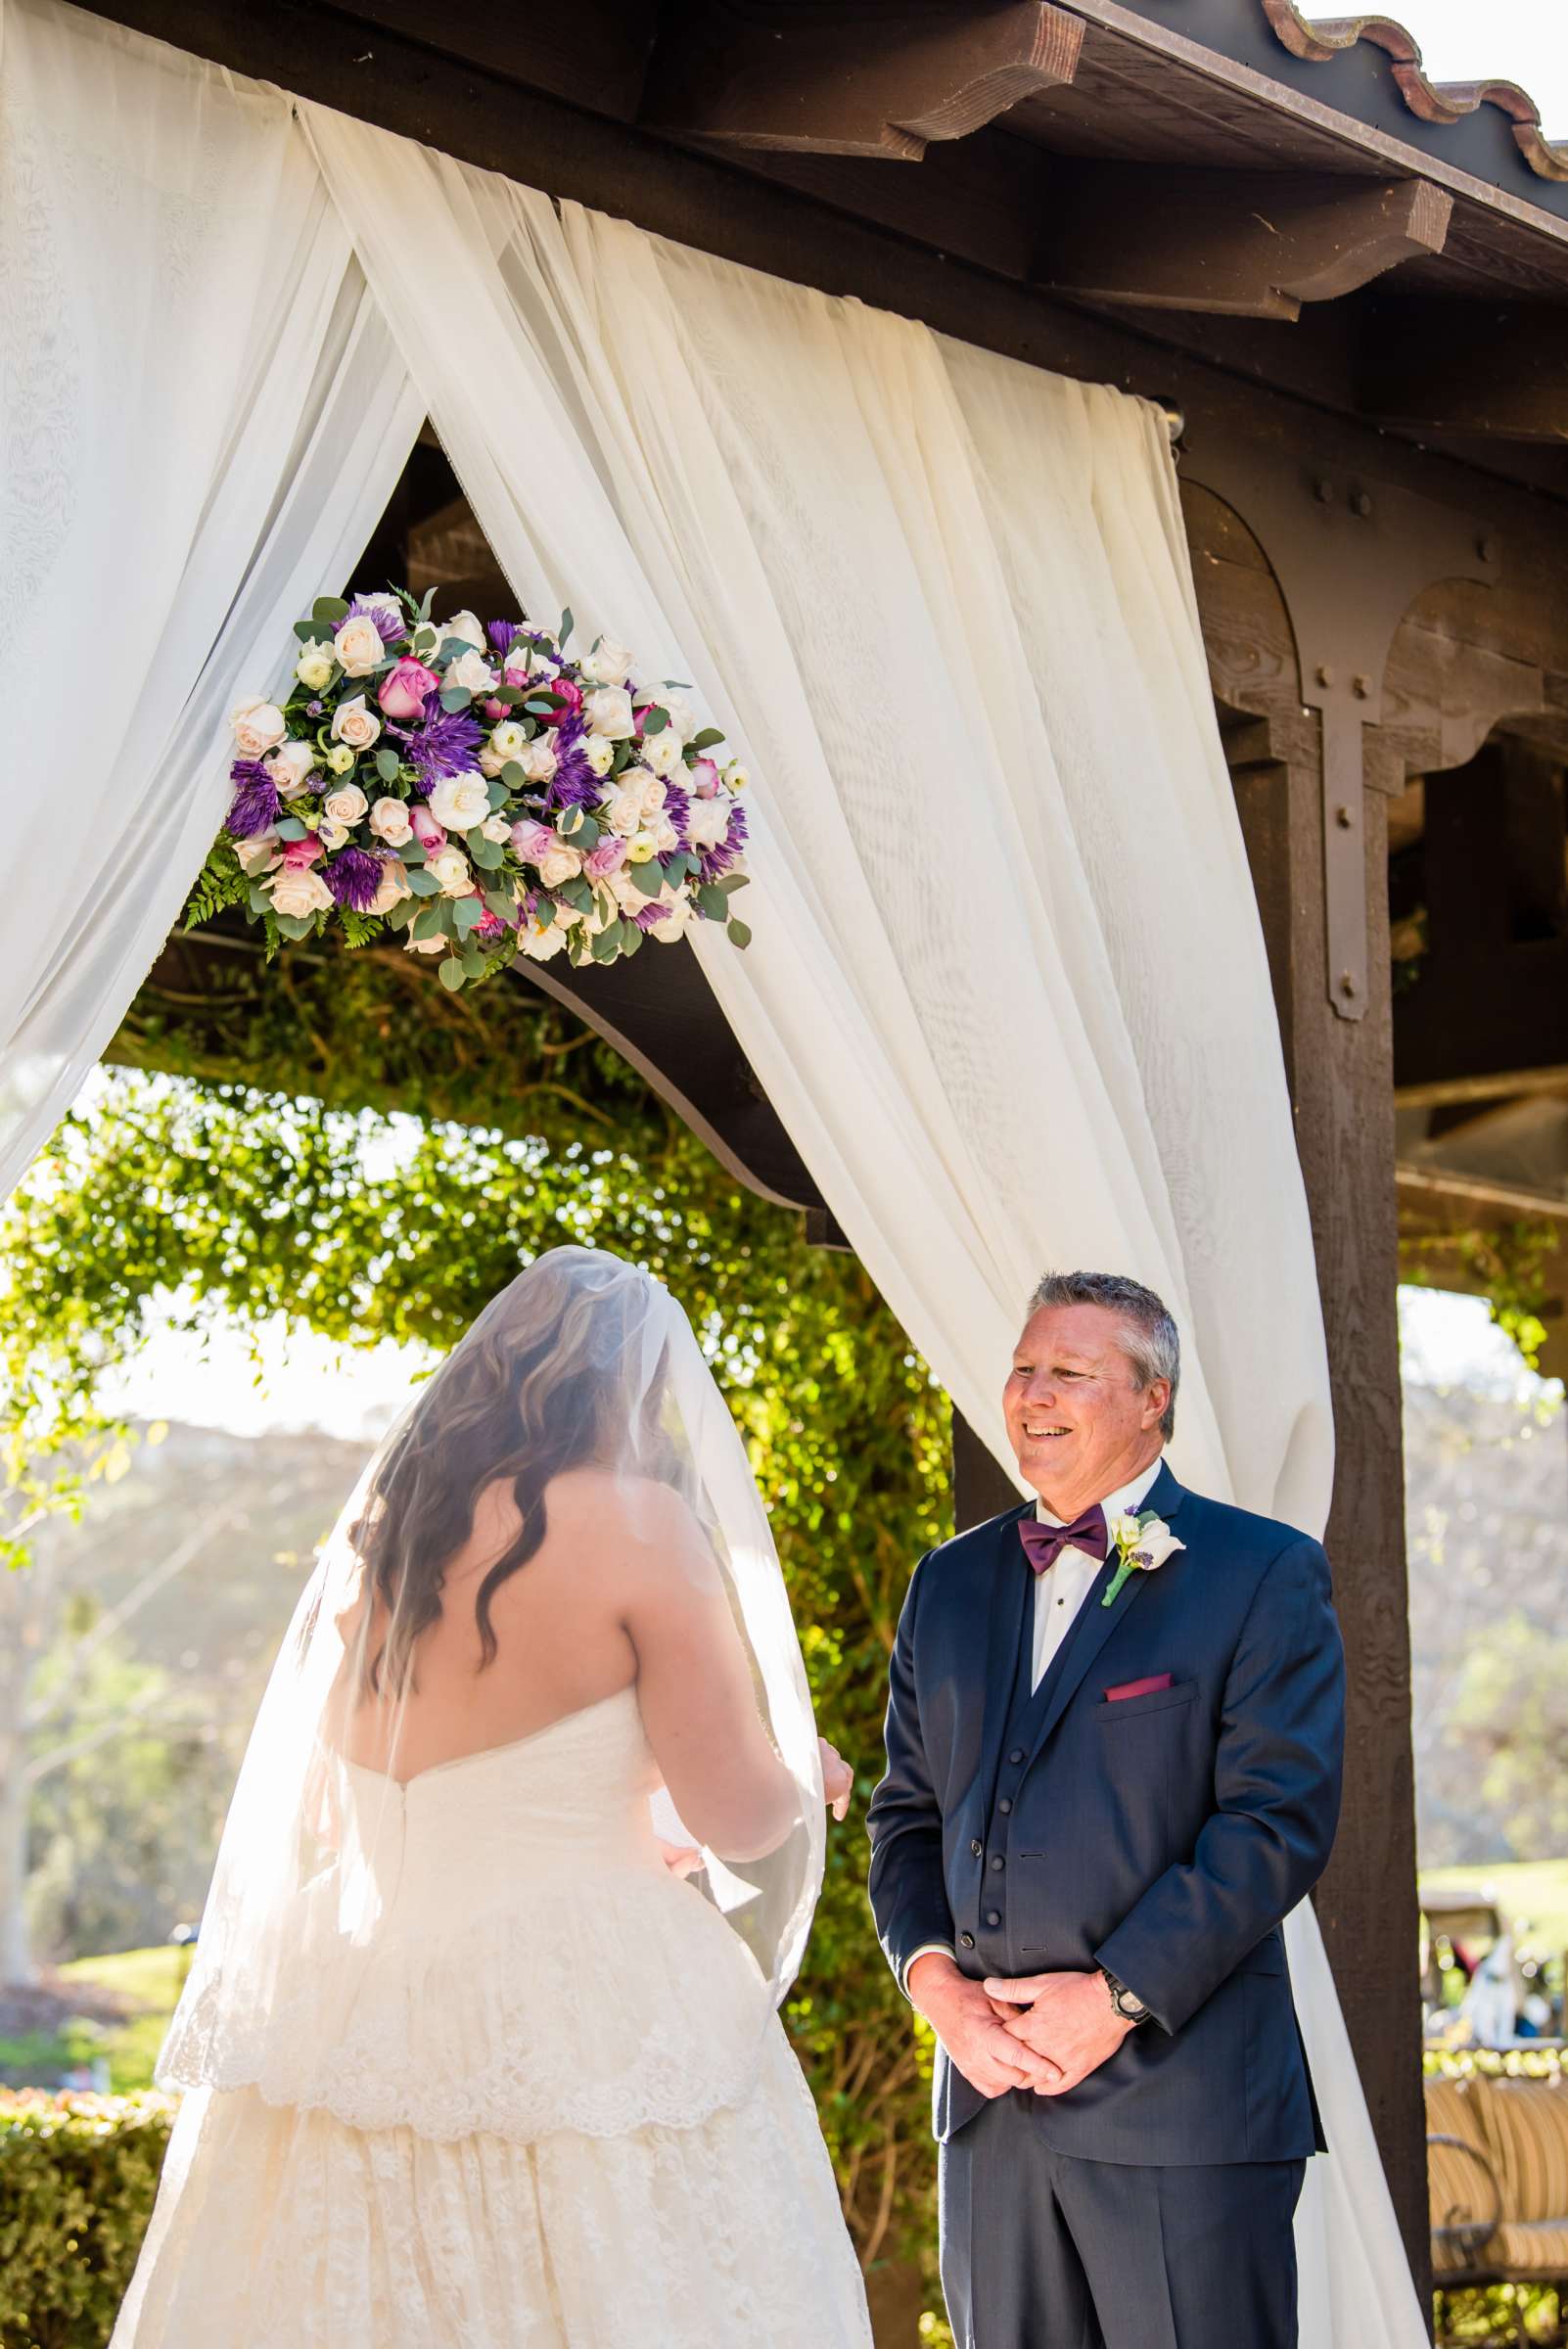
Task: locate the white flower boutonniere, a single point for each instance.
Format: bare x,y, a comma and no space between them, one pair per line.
1143,1543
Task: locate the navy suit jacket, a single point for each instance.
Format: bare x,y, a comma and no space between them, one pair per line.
1163,1836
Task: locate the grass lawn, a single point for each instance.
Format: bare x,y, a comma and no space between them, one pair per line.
144,1984
1533,1894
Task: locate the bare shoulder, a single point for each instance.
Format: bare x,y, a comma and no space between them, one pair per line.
632,1520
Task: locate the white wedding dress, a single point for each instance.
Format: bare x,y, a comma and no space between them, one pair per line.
541,2112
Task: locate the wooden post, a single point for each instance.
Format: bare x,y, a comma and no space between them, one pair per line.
981,1486
1341,1083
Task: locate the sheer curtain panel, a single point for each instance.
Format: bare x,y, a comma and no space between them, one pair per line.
203,418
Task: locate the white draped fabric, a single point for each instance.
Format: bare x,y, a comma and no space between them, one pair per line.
203,418
1006,990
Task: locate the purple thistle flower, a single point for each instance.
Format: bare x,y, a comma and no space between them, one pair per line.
677,807
574,783
257,799
719,861
353,877
445,745
390,623
502,634
649,916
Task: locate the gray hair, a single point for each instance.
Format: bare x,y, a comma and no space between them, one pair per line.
1150,1339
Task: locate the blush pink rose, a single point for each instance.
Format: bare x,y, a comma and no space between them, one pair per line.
427,831
607,858
567,701
703,779
495,712
533,841
299,853
404,686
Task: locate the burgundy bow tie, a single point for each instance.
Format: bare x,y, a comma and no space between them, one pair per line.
1043,1544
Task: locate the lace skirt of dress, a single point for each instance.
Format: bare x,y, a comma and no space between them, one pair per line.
279,2229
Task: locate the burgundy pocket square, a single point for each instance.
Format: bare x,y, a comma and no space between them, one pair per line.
1127,1688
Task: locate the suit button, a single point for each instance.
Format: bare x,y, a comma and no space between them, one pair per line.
994,1916
997,1865
967,1940
1005,1806
1017,1753
976,1847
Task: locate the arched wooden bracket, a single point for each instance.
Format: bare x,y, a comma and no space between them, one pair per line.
1351,555
849,77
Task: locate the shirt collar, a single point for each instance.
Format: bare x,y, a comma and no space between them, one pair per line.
1123,1500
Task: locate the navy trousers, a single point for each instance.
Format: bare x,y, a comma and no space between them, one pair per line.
1044,2252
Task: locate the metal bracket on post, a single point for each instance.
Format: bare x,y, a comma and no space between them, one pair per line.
1350,557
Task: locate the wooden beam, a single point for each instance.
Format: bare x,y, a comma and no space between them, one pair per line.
1238,244
829,77
1493,369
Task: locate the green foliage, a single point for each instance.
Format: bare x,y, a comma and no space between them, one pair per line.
77,2179
1511,1707
363,1223
221,883
1506,1264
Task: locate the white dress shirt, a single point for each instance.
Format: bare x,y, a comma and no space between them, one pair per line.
1059,1594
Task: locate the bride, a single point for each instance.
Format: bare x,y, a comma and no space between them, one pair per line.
480,2047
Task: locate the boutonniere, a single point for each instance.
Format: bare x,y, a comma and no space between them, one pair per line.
1143,1543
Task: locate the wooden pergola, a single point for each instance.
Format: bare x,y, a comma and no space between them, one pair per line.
1349,288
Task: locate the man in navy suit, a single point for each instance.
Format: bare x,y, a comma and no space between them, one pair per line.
1113,1748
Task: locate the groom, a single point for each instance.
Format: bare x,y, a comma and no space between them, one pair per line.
1114,1737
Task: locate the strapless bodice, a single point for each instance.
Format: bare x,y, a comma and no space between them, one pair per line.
497,1946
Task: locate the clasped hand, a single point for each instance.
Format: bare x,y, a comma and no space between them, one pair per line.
1046,2031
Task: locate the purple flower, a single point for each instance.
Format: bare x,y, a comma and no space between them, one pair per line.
574,783
502,634
446,744
257,799
649,916
353,877
719,861
383,609
314,709
677,807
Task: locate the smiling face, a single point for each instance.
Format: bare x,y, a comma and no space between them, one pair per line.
1080,1423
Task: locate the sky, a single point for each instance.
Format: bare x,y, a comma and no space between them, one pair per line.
1513,40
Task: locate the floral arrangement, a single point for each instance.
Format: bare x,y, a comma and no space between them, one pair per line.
478,789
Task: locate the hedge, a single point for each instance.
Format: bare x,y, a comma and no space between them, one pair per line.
77,2178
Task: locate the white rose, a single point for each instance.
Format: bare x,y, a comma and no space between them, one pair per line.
460,801
451,871
259,727
473,670
684,719
341,758
609,663
359,647
344,807
355,724
315,663
600,753
394,886
674,922
332,835
389,820
290,767
491,762
497,828
440,943
648,788
537,759
662,752
735,775
467,624
259,854
628,896
609,712
623,814
508,740
299,891
558,865
666,838
539,945
708,822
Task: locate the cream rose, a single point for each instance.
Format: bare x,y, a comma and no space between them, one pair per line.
497,828
389,820
359,647
662,752
649,789
600,753
259,727
708,822
684,719
341,758
299,891
609,663
315,663
465,624
393,887
666,838
440,943
453,877
609,712
344,807
623,816
674,923
560,864
355,724
473,671
460,801
258,855
537,759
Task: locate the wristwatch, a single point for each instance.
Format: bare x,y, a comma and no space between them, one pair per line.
1132,2009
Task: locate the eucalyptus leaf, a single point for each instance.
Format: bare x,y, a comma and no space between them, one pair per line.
577,892
487,854
705,740
731,882
647,877
632,939
512,774
412,853
739,934
466,911
429,922
452,973
607,945
502,906
568,623
474,963
497,794
295,925
330,609
586,835
291,828
654,720
306,630
455,697
387,766
261,903
537,709
713,903
423,883
401,914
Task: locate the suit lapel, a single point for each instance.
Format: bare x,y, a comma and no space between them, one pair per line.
1095,1621
1011,1594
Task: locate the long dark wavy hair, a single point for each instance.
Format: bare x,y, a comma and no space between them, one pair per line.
540,1384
